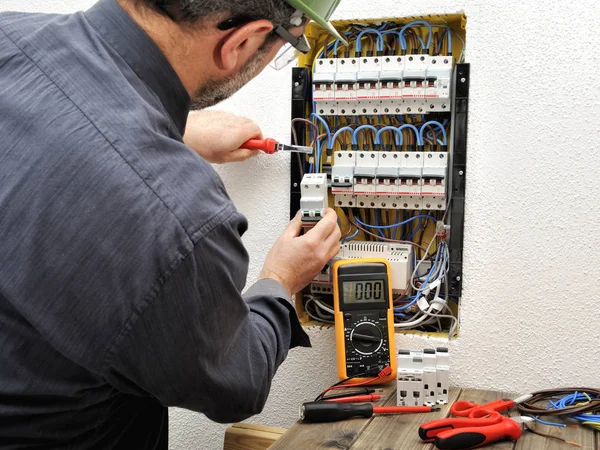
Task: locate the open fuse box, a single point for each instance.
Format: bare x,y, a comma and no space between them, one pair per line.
387,118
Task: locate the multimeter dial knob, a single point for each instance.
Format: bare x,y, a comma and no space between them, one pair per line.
366,338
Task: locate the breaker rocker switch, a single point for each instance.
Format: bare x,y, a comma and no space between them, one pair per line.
314,201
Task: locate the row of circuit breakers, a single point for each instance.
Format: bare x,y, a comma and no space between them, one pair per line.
409,84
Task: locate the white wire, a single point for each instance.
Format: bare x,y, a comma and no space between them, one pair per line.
323,306
311,315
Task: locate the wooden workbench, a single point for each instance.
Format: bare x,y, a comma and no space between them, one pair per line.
400,432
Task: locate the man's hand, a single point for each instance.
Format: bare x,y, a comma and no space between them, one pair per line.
217,136
294,260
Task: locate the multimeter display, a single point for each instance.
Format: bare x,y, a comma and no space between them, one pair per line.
364,318
363,291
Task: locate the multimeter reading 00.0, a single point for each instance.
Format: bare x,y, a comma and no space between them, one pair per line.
363,291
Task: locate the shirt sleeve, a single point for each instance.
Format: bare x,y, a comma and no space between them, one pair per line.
199,344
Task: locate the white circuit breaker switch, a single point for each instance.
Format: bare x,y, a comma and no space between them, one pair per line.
314,201
324,87
388,174
365,172
413,89
342,172
437,90
429,377
367,80
390,84
435,174
345,93
411,171
410,378
442,374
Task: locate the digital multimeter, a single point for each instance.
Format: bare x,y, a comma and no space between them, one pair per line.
364,318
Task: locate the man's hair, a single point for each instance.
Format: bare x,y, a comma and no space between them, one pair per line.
191,11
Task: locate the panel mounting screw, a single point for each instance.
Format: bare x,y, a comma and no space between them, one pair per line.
463,80
461,173
295,185
458,278
296,84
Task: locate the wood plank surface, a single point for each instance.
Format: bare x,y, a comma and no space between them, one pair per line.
242,436
336,435
399,431
582,435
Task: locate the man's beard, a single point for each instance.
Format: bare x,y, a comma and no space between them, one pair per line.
215,91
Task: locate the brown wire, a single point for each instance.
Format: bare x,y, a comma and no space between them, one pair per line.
529,407
308,122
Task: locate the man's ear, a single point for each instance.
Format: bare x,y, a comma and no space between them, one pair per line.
241,44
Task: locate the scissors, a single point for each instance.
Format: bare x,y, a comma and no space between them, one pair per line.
480,428
470,409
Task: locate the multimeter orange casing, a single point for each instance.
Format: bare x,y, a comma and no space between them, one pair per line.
385,326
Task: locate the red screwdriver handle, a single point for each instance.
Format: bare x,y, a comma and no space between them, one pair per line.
428,431
266,145
472,437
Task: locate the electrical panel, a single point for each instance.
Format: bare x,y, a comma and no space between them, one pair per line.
387,119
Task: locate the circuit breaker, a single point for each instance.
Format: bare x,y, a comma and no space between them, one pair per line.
386,116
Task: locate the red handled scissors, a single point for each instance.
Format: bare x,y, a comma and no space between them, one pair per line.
470,409
484,427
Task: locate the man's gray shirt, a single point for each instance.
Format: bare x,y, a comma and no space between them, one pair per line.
121,260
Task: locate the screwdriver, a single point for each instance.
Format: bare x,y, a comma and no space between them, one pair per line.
355,398
332,412
271,146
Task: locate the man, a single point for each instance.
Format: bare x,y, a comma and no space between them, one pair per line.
121,260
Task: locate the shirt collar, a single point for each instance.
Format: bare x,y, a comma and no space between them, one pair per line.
143,56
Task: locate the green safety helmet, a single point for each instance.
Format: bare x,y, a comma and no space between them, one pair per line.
320,11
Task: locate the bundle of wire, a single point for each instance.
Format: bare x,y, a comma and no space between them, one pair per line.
581,404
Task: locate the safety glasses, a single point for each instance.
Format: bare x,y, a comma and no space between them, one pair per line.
290,51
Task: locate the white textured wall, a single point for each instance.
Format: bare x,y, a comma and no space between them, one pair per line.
529,312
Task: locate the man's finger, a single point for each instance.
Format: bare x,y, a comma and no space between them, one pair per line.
325,226
242,154
294,228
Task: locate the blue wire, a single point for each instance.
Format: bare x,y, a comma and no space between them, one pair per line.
338,42
415,231
362,127
396,229
320,119
412,127
349,238
379,44
379,231
437,124
319,154
411,24
337,133
387,227
447,32
398,135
